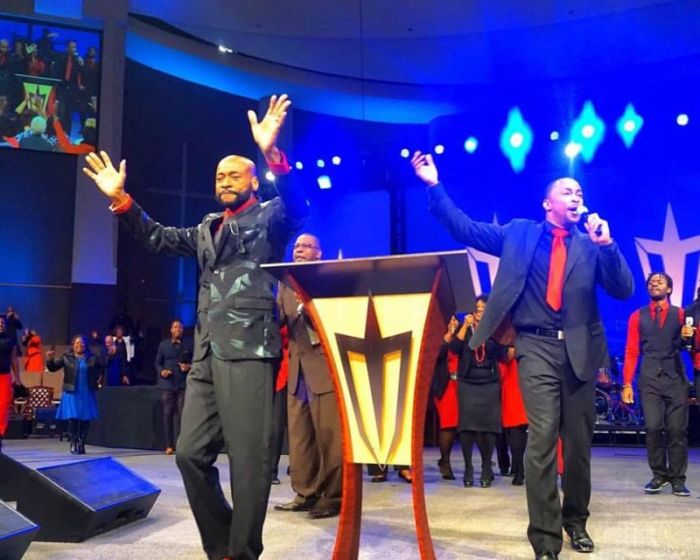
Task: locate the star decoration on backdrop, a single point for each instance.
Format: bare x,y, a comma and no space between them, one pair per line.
673,251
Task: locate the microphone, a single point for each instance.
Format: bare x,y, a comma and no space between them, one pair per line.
583,211
689,343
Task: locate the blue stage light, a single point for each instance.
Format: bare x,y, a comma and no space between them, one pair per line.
270,176
682,119
320,163
439,149
324,182
554,136
335,160
629,125
516,140
572,149
299,165
588,131
471,144
405,153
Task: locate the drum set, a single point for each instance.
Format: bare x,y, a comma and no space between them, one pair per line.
609,407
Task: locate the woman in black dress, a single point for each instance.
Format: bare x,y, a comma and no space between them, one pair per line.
478,396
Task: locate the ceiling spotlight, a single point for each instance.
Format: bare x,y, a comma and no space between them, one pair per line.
324,182
629,125
405,153
471,144
299,165
516,139
225,50
554,136
270,176
572,149
439,149
320,163
682,119
588,131
336,160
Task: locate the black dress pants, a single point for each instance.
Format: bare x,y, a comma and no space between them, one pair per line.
557,402
279,428
665,405
173,403
228,403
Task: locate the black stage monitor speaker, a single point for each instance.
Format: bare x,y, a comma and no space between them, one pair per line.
74,501
13,476
16,533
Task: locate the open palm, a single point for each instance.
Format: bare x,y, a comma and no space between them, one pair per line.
106,177
266,131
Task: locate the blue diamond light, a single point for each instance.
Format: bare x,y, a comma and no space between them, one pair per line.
516,140
629,125
588,130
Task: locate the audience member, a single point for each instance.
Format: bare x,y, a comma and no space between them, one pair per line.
173,363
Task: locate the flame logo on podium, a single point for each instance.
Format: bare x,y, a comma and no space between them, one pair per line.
381,425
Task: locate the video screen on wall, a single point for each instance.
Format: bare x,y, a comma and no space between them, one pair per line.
49,86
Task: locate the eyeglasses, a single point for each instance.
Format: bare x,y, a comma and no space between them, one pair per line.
304,246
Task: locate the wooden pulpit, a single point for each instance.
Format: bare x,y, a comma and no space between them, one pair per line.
381,321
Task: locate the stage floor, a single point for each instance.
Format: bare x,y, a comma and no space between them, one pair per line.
465,522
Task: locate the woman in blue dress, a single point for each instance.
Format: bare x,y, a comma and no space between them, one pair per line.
81,372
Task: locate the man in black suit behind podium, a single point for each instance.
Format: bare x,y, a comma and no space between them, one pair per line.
546,287
237,341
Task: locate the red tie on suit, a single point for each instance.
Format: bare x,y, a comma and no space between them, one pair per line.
69,68
557,264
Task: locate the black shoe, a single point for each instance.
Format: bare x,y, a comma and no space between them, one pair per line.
275,480
445,470
518,480
378,478
679,489
324,512
486,482
655,485
581,541
81,447
468,482
294,505
547,555
74,447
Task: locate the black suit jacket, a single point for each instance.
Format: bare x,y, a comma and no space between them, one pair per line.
235,308
70,371
587,267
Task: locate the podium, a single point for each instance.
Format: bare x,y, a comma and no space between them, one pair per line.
381,321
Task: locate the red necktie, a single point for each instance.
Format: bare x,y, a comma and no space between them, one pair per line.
658,316
69,68
557,264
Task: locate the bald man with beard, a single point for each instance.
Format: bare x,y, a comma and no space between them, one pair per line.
230,387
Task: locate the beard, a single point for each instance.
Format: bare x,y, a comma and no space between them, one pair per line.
238,199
